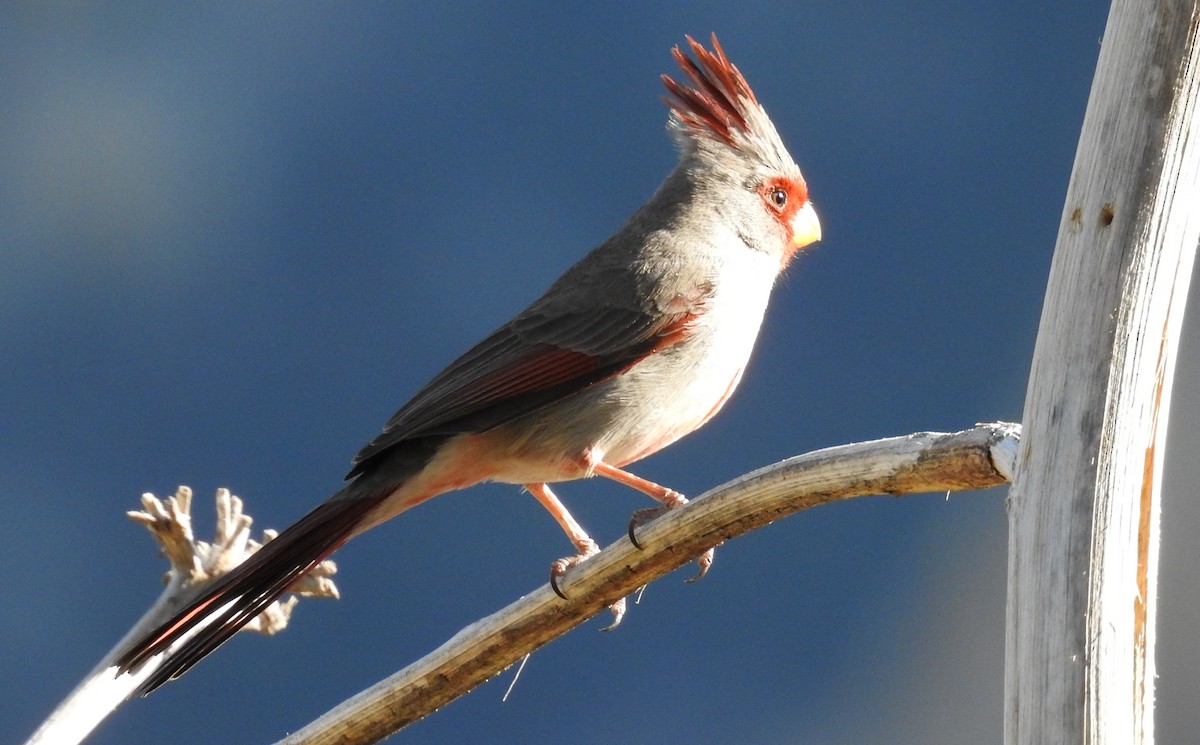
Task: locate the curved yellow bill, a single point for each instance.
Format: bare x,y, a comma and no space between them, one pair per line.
806,228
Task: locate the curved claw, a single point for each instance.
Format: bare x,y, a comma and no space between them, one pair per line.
704,561
560,567
633,523
618,611
641,517
554,575
587,549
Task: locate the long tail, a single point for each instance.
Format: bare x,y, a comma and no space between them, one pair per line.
236,598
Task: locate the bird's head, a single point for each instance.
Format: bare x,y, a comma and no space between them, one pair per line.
732,149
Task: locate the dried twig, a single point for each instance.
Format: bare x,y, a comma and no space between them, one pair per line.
194,564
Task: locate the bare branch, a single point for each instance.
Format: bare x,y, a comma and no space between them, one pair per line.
976,458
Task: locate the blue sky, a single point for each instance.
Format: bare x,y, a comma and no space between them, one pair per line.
234,239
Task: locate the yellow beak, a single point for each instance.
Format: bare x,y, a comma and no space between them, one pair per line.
806,228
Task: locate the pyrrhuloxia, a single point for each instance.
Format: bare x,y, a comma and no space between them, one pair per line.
635,346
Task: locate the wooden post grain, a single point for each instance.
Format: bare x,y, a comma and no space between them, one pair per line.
1084,508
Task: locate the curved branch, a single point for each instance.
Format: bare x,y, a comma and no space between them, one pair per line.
924,462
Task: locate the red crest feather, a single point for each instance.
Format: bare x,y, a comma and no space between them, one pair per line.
717,101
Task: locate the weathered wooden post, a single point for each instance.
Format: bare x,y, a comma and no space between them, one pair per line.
1084,508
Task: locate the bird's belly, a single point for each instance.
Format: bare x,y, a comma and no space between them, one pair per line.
628,416
681,394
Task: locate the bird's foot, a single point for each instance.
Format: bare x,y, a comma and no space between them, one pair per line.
587,549
640,518
647,514
618,611
559,568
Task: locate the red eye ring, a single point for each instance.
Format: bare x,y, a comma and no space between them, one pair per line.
783,195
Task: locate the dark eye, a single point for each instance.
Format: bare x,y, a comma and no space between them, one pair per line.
778,197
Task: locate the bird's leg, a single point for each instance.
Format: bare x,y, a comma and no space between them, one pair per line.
669,498
583,543
579,537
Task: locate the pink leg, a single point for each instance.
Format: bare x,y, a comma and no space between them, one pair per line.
583,543
669,497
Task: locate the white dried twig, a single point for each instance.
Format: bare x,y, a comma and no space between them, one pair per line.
194,564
